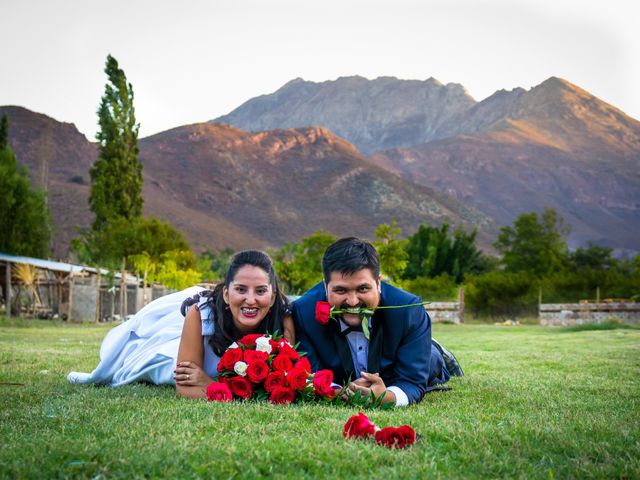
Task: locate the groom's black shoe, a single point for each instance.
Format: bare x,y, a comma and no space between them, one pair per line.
450,360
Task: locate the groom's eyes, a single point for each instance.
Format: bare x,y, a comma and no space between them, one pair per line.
360,289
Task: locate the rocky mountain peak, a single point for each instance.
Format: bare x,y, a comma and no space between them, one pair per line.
372,114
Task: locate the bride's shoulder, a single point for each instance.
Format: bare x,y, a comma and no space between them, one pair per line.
207,313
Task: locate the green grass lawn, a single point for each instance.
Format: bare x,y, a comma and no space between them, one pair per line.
535,403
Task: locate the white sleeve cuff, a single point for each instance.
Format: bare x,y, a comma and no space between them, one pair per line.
401,398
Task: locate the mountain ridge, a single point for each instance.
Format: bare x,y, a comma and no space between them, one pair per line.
225,187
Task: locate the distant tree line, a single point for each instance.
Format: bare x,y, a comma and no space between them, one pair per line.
535,264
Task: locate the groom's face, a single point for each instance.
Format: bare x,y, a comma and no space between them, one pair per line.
361,289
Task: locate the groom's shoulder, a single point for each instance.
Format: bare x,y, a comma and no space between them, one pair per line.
392,295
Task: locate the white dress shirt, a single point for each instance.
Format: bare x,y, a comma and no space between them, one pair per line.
359,347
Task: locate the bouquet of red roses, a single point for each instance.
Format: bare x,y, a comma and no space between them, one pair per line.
265,367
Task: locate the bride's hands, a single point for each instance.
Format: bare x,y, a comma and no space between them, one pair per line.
188,374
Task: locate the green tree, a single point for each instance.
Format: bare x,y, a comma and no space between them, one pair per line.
177,269
299,265
593,256
122,238
434,251
4,132
116,176
393,256
501,294
442,288
214,265
25,220
534,244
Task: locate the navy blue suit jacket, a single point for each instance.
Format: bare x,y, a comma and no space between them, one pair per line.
399,348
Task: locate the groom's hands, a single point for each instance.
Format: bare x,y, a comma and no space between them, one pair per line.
371,383
188,374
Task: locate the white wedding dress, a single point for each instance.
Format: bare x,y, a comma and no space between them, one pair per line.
145,347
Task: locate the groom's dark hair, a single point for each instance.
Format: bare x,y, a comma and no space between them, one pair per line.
348,256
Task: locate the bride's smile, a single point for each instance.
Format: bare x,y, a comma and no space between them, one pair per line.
249,297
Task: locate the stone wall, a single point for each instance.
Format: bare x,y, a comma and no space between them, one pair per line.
445,312
577,313
83,305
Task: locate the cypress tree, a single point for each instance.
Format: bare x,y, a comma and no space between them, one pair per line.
116,176
4,132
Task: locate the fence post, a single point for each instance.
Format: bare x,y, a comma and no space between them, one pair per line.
123,292
98,299
70,308
461,304
7,293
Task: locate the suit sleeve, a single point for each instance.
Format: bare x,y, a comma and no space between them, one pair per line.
411,370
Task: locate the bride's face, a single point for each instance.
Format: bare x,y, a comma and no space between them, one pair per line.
249,296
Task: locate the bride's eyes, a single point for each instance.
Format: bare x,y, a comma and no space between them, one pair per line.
259,291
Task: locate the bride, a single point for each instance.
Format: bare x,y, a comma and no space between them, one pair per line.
159,346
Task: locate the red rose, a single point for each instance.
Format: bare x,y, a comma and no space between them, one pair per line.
297,378
396,437
303,364
322,383
282,395
229,359
250,340
257,371
285,349
323,312
240,387
282,363
358,426
251,356
274,380
408,433
218,392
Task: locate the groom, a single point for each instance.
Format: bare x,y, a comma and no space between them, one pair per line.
399,359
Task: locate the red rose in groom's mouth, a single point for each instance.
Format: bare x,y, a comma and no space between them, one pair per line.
323,312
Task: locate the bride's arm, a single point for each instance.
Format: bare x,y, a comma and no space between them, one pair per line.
289,329
191,380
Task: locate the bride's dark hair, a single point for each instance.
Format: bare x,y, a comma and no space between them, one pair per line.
225,332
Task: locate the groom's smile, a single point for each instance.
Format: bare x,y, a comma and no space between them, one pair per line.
359,289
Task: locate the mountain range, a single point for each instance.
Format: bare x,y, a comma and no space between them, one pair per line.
349,154
555,145
225,187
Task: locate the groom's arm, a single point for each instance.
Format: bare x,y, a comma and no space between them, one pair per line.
412,362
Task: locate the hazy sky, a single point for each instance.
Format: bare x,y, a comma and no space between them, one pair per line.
194,60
